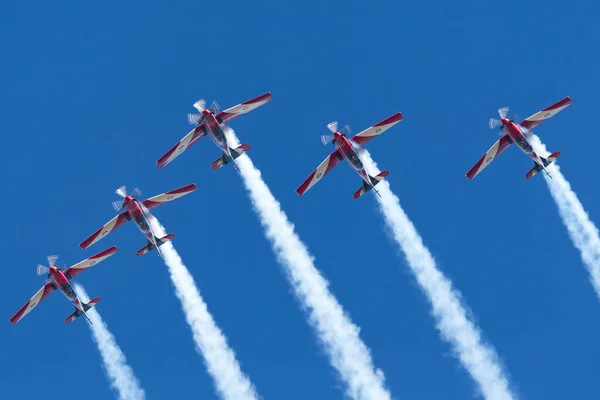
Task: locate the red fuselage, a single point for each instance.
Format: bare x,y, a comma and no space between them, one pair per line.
214,131
519,138
345,148
139,216
62,283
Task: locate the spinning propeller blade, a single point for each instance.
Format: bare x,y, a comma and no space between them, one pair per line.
326,139
332,126
199,105
41,270
117,205
346,130
135,193
194,119
122,191
503,112
52,260
214,107
494,123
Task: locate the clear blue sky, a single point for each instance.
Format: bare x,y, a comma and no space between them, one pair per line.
93,93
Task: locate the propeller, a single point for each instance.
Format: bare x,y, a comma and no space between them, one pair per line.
42,270
196,119
122,191
333,126
200,105
51,260
494,123
214,107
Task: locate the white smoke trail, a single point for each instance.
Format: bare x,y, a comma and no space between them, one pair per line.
339,336
219,358
120,373
582,231
478,358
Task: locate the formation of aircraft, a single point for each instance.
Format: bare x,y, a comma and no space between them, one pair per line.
212,122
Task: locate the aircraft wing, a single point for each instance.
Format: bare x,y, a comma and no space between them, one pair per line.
247,106
156,201
331,161
105,230
546,113
78,268
377,129
490,156
196,134
34,301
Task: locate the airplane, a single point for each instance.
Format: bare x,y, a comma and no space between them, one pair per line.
139,212
519,134
347,148
59,279
211,122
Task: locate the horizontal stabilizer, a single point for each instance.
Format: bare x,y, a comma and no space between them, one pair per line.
159,242
547,161
374,181
86,306
225,159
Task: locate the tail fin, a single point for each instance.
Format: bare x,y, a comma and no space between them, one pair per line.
547,161
159,242
86,306
374,181
225,159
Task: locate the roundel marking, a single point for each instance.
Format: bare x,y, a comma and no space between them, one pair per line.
33,304
378,130
104,233
169,197
547,114
319,175
93,262
488,159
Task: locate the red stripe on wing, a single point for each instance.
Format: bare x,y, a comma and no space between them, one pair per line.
120,221
47,290
503,143
302,188
532,124
334,159
185,189
259,98
198,133
224,117
394,118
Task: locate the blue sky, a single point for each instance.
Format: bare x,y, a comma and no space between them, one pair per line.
93,94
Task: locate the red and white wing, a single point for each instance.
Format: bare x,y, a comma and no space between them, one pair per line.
331,161
546,113
105,230
34,301
245,107
377,129
196,134
78,268
156,201
490,156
